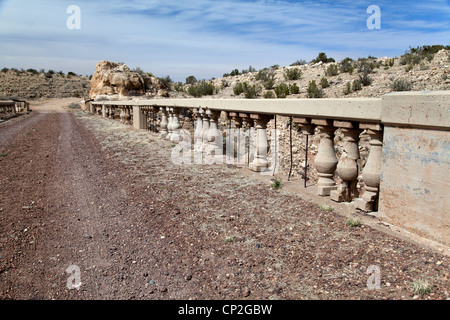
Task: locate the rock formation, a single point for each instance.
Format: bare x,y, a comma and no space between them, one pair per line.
112,78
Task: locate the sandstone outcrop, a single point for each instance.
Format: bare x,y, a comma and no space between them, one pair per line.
112,78
115,80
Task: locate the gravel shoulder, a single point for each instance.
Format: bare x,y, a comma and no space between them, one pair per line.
80,190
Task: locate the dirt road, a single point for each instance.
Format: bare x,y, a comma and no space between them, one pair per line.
91,196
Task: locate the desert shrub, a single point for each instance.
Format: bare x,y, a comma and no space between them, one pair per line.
346,65
332,70
401,85
235,72
324,83
32,71
238,89
70,73
415,55
267,77
300,62
389,62
365,79
409,59
262,74
191,80
282,90
367,64
269,95
178,86
409,67
356,85
166,82
322,57
348,88
250,69
5,70
202,88
294,89
275,67
268,84
251,91
293,74
314,91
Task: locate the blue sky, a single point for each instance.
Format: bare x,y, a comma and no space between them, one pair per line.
207,38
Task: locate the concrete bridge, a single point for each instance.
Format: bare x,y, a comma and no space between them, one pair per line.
406,175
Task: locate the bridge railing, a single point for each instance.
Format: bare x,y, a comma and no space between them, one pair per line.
9,108
407,172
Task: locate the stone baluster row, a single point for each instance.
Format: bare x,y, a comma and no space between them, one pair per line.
327,164
7,110
208,140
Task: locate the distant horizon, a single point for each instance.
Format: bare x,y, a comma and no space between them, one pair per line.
39,70
206,38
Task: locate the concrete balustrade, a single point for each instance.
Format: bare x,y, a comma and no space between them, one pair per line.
10,108
406,175
7,109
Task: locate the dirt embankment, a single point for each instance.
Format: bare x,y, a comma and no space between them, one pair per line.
31,86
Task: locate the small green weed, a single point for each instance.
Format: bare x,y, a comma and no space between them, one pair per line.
421,287
326,207
353,222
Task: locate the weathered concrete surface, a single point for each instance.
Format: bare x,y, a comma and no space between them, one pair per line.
362,109
424,109
415,177
139,120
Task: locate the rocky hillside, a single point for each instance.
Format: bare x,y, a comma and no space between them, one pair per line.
368,77
31,85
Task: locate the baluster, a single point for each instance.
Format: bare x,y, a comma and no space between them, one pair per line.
326,160
347,168
175,136
214,137
169,123
260,162
164,123
198,130
371,173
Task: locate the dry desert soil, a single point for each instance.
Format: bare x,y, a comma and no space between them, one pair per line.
80,190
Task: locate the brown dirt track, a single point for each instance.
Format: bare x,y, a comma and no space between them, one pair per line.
77,189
